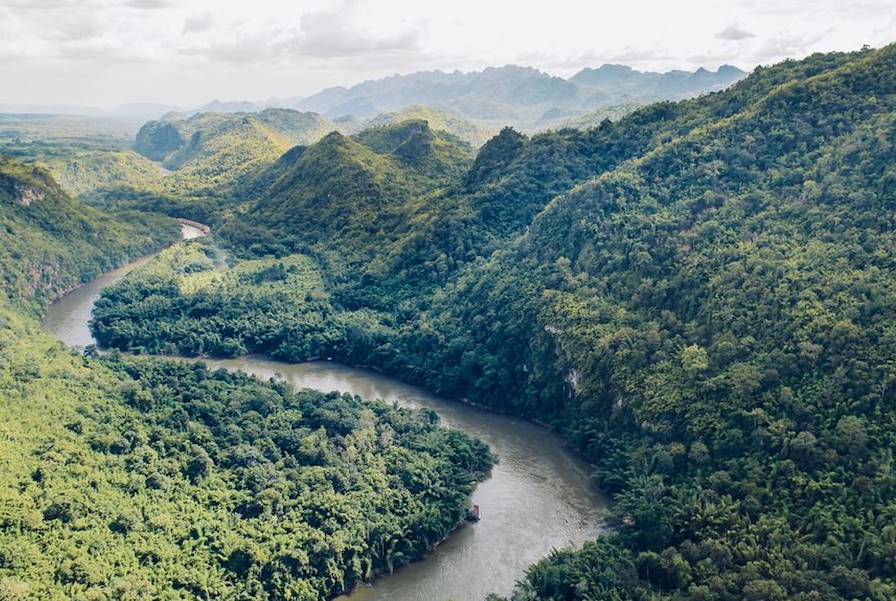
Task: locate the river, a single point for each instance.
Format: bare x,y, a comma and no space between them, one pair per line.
538,498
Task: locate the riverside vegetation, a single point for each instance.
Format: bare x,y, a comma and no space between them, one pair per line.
699,296
139,478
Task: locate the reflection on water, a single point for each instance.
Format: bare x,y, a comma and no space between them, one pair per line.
538,498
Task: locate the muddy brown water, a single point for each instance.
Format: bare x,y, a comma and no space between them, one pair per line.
539,496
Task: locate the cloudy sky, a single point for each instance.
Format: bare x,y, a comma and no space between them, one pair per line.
106,52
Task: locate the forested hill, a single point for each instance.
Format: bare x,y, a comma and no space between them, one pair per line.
469,131
141,478
353,193
210,151
51,242
713,324
511,180
701,297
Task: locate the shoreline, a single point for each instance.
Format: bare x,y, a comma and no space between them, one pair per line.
411,572
128,260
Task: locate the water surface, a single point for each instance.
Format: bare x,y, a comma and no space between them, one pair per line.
68,318
538,498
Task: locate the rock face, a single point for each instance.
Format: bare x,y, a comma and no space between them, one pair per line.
22,192
157,139
28,195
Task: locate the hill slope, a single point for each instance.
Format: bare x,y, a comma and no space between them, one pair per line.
119,473
210,151
350,192
699,296
469,131
52,243
84,154
712,323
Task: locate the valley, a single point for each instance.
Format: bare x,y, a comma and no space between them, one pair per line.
536,482
648,333
97,452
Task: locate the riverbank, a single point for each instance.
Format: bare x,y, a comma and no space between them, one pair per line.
68,316
539,497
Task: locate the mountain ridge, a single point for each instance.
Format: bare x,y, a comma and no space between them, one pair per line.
514,93
698,296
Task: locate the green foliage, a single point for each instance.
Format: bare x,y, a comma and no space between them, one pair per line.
137,478
699,296
85,155
140,478
85,169
189,302
210,152
595,118
348,196
209,162
471,132
413,143
706,323
51,243
494,157
157,139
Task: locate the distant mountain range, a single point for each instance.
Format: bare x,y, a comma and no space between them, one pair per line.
511,95
517,95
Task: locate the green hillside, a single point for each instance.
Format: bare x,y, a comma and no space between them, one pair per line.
710,325
139,478
52,243
146,479
595,118
699,296
360,189
471,132
88,170
209,163
209,151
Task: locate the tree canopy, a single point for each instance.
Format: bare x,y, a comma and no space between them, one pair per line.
699,296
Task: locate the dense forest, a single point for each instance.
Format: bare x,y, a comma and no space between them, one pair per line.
699,296
141,478
52,243
152,479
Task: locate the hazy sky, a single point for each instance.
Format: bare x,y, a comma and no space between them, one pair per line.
105,52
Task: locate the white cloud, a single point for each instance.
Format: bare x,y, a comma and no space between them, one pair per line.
197,23
187,51
787,45
329,33
243,49
148,4
40,4
735,32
